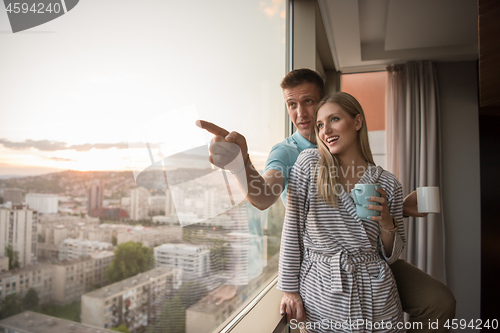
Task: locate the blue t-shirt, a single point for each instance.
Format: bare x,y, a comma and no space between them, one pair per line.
284,154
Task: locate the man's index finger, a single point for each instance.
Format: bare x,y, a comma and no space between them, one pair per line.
212,128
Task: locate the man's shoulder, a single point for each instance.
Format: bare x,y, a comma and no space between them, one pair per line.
287,144
285,152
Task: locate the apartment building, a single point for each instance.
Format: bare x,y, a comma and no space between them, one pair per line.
139,204
150,237
28,321
13,195
54,229
75,248
20,280
74,277
4,264
135,302
157,205
95,195
43,203
194,260
18,229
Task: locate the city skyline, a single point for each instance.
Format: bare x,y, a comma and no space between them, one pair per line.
75,102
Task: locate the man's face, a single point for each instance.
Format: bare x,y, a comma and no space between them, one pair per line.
300,102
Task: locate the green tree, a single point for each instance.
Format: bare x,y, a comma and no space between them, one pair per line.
30,300
114,241
11,305
13,257
172,318
121,328
131,258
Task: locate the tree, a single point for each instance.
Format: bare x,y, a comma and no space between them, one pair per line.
11,305
13,257
121,328
131,258
30,300
172,318
114,241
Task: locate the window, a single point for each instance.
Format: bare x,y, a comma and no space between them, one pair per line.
140,77
369,90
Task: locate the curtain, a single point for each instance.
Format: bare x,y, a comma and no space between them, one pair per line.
413,155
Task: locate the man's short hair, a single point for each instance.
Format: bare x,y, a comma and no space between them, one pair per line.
303,75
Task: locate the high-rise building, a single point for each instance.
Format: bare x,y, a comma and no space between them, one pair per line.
194,260
43,203
94,204
157,205
18,229
13,195
139,204
169,203
4,264
136,302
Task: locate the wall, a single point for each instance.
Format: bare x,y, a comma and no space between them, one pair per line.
460,183
489,123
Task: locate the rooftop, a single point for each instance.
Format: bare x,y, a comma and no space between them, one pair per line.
25,269
31,322
132,282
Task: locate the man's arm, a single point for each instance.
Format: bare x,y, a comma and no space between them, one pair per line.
262,190
410,206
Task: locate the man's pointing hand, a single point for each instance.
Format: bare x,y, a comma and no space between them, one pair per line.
225,147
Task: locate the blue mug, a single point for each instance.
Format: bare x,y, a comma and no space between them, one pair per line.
359,192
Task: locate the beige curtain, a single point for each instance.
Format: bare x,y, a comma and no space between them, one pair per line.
413,155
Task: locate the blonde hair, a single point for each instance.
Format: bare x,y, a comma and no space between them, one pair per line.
326,179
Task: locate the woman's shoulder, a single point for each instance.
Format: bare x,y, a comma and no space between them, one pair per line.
390,183
308,157
389,177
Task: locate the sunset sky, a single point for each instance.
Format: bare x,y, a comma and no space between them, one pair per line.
87,90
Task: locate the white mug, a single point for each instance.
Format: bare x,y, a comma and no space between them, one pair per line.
428,199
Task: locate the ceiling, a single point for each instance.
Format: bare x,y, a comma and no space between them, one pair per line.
368,35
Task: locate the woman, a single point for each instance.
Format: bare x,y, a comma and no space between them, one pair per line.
333,265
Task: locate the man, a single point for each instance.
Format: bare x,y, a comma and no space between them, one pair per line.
423,297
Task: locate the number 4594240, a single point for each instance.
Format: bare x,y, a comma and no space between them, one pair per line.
38,8
476,324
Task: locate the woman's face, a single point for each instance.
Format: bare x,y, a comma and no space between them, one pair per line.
338,130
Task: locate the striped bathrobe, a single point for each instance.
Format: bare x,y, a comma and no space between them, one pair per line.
335,260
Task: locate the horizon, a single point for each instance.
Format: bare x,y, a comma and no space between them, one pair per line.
78,104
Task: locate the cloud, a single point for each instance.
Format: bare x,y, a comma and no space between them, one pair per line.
61,159
44,145
89,146
47,145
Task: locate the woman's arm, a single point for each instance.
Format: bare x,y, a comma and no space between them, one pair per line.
291,242
391,207
291,237
384,220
